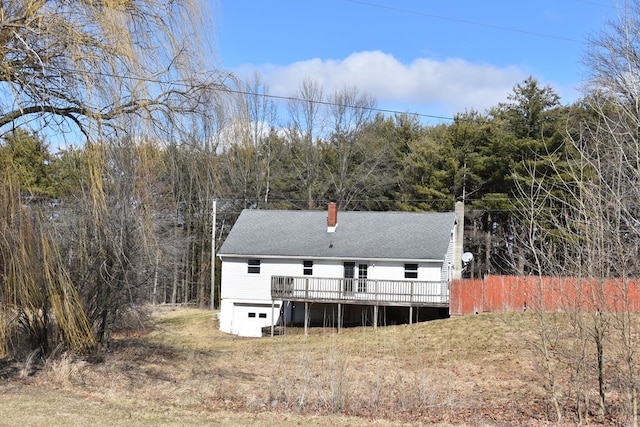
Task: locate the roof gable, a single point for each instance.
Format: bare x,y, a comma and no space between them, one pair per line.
359,235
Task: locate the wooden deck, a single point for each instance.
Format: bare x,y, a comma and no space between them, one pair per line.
409,293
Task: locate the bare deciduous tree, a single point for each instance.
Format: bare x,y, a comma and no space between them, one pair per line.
107,74
307,125
354,159
594,234
248,149
90,65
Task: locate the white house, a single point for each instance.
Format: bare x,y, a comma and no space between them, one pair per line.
283,267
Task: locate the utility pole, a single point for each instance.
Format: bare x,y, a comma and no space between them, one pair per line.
213,254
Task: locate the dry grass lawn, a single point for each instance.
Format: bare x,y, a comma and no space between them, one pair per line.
476,370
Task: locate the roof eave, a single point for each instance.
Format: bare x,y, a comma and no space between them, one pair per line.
299,257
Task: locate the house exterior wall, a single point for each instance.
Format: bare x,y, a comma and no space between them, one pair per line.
244,293
447,271
240,284
388,270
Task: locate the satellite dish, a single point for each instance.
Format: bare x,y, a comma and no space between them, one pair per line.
467,257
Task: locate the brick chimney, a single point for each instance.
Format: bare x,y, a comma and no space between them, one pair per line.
332,217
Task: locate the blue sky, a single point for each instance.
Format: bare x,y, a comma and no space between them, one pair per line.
435,58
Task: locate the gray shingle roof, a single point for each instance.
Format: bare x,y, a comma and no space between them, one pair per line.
360,235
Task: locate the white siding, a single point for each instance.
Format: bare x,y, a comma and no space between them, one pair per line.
327,268
447,267
243,292
237,283
383,270
225,317
395,271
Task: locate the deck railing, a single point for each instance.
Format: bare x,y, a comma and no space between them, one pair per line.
360,291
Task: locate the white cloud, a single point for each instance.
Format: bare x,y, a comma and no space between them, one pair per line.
424,86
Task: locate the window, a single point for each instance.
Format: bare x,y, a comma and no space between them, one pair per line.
254,266
307,268
252,315
411,271
262,315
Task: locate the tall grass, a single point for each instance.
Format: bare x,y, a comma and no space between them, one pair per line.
476,370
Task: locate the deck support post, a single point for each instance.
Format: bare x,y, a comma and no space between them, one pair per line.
306,317
410,314
375,317
339,316
272,316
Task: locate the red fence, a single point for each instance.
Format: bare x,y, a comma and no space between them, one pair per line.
508,293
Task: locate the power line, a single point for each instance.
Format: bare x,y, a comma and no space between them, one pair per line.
265,95
328,103
597,4
464,21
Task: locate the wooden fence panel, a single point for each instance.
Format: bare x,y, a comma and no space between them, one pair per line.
509,293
